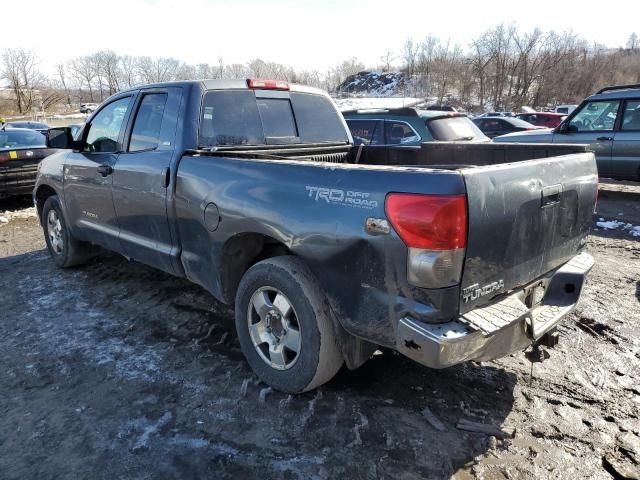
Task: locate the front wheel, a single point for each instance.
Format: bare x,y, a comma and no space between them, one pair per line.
285,326
65,250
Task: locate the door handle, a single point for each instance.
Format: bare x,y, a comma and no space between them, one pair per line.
105,170
604,139
166,177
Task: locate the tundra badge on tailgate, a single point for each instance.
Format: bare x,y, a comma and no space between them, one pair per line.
475,291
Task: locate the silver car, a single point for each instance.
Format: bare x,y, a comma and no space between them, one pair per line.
609,121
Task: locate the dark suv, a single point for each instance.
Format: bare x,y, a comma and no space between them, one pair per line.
609,121
409,126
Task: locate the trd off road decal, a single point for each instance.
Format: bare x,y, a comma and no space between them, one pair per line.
350,198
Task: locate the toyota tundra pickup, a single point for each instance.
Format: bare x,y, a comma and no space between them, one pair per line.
253,189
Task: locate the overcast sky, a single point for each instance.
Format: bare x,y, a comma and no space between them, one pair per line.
303,34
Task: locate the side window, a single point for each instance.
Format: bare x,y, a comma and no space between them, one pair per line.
595,116
631,115
145,134
492,124
367,132
397,133
105,127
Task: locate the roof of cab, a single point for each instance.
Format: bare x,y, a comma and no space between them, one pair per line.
222,84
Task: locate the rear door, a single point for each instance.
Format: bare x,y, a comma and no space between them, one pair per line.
594,125
142,176
88,175
625,154
525,219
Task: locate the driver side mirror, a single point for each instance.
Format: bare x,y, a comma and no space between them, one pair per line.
567,128
61,137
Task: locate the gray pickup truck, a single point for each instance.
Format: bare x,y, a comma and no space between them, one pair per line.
445,252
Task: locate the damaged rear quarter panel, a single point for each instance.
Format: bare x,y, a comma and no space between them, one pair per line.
318,211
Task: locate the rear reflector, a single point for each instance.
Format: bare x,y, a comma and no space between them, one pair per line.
433,222
267,84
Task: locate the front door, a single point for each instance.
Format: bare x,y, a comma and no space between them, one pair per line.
625,155
88,176
594,125
142,176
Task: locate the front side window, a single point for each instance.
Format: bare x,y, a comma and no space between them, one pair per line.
595,116
366,132
397,133
631,115
146,127
105,127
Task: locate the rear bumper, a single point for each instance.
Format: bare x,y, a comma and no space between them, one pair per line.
501,328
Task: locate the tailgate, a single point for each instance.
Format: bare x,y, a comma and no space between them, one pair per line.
525,219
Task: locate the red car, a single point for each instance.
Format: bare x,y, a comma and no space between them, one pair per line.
543,119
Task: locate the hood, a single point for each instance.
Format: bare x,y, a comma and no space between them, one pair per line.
543,135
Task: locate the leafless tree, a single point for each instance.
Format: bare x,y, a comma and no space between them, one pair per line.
20,67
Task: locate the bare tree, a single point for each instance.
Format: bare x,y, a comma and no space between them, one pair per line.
85,71
633,43
20,68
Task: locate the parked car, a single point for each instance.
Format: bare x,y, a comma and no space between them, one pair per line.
608,121
542,119
497,114
88,107
251,190
38,126
409,126
565,109
21,150
495,126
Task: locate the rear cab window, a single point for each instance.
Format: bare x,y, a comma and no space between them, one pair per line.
262,117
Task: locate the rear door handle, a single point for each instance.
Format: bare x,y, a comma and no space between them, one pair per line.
604,139
166,177
105,170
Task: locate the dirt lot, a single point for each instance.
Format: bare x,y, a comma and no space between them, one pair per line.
114,370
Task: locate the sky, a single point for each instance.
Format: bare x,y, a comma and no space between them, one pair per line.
311,35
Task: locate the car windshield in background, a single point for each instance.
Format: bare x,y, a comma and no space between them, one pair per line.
237,117
31,125
450,129
516,122
21,139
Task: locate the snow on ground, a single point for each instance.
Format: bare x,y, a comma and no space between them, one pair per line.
8,215
345,104
615,224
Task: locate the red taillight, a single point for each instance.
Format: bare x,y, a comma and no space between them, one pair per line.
432,222
267,84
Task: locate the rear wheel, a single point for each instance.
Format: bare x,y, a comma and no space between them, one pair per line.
285,326
65,250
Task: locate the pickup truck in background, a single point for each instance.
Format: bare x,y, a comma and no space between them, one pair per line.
445,251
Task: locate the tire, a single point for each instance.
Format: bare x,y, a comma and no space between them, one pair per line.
272,284
65,250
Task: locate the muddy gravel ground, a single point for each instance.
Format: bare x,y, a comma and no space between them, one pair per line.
114,370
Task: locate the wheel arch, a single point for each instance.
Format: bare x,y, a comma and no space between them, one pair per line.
239,253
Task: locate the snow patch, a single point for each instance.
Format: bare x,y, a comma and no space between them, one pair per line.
8,215
634,230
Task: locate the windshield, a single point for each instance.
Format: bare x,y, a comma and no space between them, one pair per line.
454,129
239,117
20,139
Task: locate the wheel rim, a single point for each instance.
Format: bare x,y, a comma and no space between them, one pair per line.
54,231
274,328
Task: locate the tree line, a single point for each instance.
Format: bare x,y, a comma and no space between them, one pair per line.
502,68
